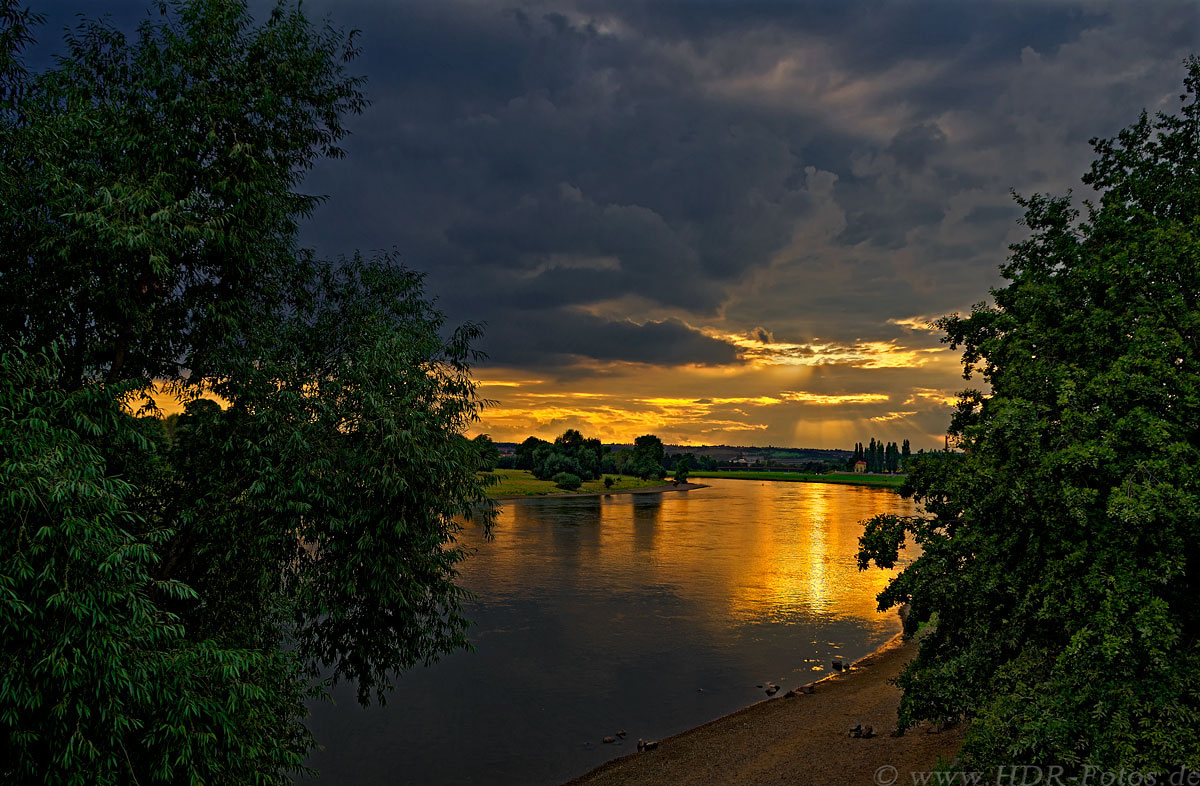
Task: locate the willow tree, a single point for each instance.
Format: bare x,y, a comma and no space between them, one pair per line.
1062,546
170,596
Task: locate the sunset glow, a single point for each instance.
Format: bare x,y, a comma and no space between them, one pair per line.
815,404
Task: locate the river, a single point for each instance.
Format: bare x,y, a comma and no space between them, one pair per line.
645,613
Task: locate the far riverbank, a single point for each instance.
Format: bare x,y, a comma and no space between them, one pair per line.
841,478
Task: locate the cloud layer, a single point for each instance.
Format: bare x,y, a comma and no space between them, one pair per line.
640,198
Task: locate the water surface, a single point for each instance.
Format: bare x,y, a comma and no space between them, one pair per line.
648,613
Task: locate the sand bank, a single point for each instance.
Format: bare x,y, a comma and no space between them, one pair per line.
797,740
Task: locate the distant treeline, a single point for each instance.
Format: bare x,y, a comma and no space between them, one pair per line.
589,459
880,457
585,458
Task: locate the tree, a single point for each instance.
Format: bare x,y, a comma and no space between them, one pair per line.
681,470
647,458
489,454
170,596
525,452
905,454
892,457
549,462
1061,552
571,452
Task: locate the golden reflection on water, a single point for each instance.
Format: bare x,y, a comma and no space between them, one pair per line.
738,553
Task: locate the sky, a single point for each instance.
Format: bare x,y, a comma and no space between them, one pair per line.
721,222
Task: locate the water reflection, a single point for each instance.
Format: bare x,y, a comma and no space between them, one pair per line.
649,613
744,553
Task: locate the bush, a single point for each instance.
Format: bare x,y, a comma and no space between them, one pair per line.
551,464
609,480
565,480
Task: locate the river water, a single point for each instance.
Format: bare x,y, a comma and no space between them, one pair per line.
647,613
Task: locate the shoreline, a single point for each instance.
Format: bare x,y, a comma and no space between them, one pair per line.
796,739
606,493
891,482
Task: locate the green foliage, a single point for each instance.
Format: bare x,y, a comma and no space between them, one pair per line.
157,256
609,481
525,452
694,461
548,462
171,591
1061,551
646,460
571,453
681,471
98,681
878,456
489,454
565,480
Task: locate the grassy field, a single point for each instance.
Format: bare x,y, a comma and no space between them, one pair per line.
845,478
519,482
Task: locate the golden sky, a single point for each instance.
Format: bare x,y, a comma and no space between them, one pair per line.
822,395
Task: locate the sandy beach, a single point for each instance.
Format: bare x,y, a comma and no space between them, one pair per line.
797,740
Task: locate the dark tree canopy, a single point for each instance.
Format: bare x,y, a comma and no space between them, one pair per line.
647,459
570,453
170,592
489,454
1061,549
682,469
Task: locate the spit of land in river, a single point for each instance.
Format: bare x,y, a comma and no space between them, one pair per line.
515,483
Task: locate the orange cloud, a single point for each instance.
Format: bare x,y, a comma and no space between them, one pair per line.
757,349
915,323
823,399
891,416
938,395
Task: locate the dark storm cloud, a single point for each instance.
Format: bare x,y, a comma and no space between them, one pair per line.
554,155
762,335
795,167
912,146
575,167
546,338
877,30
